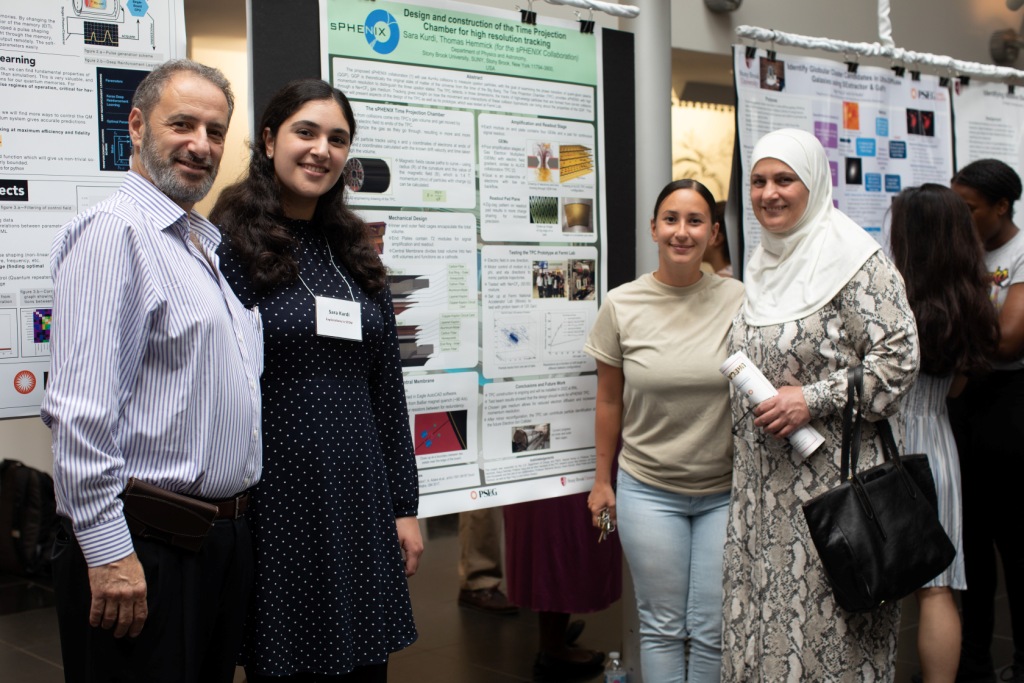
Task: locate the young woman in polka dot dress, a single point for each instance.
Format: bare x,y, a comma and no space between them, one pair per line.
334,516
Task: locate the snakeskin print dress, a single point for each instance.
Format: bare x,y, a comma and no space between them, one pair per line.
781,623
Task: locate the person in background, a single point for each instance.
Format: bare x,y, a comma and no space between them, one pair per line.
557,568
154,371
480,572
940,257
820,299
334,518
658,342
989,431
716,257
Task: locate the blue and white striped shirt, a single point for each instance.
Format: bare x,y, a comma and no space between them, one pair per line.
155,365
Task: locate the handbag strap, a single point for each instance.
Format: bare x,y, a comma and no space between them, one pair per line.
851,427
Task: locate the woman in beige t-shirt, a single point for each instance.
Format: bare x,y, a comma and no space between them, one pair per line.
658,342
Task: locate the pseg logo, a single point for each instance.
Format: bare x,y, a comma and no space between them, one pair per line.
381,30
483,493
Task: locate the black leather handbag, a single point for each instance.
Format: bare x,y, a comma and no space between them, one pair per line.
878,533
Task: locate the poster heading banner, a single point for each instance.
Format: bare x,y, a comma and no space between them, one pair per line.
448,39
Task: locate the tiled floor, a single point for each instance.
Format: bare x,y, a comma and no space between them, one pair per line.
455,645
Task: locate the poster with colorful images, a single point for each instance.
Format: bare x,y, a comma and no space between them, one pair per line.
68,70
988,122
881,131
477,166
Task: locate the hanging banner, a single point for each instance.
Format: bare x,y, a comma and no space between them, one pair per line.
881,132
476,164
989,123
67,74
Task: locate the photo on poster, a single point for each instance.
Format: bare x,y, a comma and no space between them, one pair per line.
543,210
367,175
582,280
773,74
549,279
854,171
576,161
577,215
914,125
542,161
531,438
114,91
927,123
851,116
35,326
442,432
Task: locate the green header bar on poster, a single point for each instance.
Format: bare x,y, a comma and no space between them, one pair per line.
441,38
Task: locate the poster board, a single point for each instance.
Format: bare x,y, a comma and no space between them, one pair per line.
881,132
68,70
989,123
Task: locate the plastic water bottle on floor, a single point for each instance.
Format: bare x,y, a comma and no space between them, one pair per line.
614,672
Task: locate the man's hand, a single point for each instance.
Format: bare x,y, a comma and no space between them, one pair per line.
119,596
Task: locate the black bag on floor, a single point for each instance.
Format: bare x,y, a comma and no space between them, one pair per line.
28,519
878,532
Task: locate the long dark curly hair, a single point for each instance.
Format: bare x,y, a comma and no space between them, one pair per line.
935,247
249,212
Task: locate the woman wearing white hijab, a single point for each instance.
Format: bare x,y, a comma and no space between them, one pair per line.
820,298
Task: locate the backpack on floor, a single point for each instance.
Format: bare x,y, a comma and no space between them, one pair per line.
28,519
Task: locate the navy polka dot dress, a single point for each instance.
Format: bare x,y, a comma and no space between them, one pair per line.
338,468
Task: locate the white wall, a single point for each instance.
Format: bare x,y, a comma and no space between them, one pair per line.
959,28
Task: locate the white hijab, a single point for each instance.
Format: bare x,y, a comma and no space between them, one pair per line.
792,274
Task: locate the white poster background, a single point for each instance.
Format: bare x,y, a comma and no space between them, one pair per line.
989,123
67,73
881,132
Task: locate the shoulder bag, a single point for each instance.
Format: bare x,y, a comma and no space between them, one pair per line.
878,533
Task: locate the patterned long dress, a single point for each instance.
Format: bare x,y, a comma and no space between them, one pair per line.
781,623
338,468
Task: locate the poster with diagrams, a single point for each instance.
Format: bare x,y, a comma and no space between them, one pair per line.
432,273
988,122
537,180
68,69
538,306
882,132
477,168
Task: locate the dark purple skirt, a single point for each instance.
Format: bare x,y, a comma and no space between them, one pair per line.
553,562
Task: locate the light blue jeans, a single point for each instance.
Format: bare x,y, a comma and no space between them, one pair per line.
674,545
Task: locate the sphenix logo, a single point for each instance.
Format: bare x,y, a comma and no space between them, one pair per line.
381,30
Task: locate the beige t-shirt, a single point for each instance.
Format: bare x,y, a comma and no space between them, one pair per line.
669,342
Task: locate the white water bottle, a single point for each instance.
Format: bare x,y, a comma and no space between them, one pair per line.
614,671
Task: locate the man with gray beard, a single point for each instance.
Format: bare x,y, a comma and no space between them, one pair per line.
154,407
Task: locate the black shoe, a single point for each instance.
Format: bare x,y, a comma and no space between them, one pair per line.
573,631
547,668
490,600
1012,674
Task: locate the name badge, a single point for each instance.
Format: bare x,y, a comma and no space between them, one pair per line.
338,318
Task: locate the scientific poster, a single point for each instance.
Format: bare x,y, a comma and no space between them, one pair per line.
67,73
881,132
989,123
476,164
